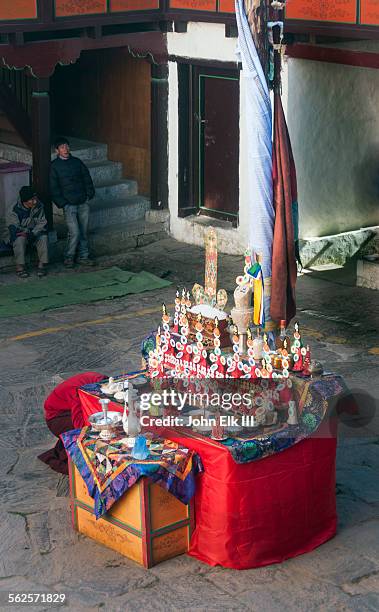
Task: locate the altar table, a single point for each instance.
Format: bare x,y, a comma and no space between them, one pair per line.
263,512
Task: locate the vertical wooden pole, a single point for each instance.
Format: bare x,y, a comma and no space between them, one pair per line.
41,143
159,136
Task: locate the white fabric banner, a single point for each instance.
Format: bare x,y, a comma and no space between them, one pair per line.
258,122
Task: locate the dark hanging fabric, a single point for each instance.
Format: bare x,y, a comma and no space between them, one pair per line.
284,269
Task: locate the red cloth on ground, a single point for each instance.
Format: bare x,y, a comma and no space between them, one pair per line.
284,269
262,512
56,457
65,397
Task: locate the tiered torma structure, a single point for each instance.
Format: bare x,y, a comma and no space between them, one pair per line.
200,340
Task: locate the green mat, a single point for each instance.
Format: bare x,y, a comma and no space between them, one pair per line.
54,292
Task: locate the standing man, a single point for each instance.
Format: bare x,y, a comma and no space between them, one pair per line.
28,227
71,188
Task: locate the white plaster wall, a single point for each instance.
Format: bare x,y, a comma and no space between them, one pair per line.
333,119
201,41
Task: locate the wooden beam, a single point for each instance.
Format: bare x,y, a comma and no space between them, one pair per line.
231,30
181,27
41,144
159,136
16,38
333,55
42,57
338,30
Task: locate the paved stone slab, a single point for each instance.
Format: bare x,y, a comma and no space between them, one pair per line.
362,481
45,550
332,562
352,511
15,554
363,538
240,581
297,594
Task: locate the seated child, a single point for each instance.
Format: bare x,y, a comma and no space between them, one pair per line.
62,413
27,225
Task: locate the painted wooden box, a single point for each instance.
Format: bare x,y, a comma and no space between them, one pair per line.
147,525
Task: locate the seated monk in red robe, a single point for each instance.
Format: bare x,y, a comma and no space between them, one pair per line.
63,412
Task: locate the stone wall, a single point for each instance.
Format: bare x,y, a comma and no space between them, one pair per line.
333,120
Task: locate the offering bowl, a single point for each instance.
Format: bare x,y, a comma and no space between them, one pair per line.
107,427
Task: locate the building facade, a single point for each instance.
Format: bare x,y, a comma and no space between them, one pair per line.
157,83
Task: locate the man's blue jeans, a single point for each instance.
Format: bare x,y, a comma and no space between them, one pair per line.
77,217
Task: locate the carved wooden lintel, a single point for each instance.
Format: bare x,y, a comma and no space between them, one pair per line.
41,58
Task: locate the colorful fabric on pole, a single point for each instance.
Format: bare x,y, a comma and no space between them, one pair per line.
258,128
259,311
284,269
109,469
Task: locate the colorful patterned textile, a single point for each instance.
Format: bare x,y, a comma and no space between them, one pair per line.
109,470
94,388
313,397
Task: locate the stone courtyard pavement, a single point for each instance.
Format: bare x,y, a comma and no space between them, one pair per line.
39,551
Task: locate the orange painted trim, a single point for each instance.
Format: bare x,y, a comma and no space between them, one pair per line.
146,522
333,11
17,10
71,479
369,12
118,6
194,5
72,8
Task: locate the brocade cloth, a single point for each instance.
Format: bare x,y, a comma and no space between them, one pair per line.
109,470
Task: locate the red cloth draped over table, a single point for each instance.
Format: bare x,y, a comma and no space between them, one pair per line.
254,514
90,405
262,512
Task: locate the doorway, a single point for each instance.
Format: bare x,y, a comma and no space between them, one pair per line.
209,142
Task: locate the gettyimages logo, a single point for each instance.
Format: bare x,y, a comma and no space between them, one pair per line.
269,405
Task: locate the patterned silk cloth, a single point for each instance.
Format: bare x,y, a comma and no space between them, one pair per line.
314,399
109,470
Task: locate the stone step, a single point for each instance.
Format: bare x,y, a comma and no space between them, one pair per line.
105,171
88,151
84,149
105,192
338,248
126,237
14,153
110,213
110,241
368,272
127,210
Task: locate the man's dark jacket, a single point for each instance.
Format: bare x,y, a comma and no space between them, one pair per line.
70,182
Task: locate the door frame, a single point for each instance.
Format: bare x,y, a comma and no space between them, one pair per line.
190,179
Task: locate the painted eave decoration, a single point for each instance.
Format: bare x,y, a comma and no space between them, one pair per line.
363,12
12,10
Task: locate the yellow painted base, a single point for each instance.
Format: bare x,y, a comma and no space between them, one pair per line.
147,525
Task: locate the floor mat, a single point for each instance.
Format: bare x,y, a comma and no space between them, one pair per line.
63,290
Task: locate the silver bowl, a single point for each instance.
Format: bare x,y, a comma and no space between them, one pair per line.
316,368
106,428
